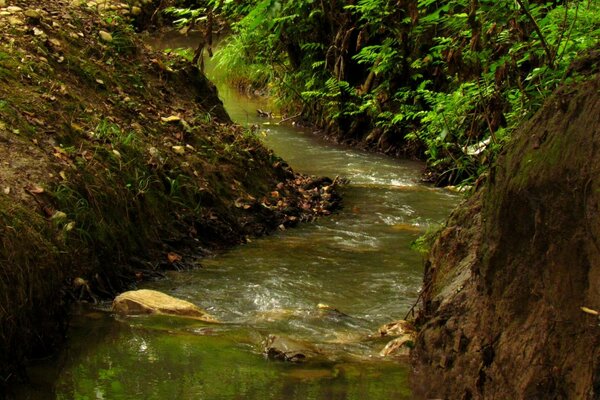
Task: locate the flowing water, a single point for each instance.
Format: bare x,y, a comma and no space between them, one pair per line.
358,261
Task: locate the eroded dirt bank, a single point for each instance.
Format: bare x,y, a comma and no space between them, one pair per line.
115,162
508,276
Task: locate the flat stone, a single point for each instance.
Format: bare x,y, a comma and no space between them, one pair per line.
147,301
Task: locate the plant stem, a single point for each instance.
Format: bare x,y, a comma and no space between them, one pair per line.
539,32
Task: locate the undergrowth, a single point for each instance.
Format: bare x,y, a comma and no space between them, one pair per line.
447,80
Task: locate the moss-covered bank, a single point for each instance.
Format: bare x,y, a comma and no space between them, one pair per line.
512,286
115,162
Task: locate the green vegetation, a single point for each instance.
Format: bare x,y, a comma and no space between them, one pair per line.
116,161
446,80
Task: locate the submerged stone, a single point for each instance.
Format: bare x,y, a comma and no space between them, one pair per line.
286,349
146,301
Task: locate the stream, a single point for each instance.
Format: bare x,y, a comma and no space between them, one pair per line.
358,261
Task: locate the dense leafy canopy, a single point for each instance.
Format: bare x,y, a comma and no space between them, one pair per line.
444,79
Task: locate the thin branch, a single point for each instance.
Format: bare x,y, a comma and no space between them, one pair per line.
539,32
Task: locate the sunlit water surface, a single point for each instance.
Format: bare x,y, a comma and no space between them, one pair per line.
358,261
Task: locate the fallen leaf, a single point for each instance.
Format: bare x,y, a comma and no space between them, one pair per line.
59,216
178,149
172,118
105,36
173,257
6,190
589,311
37,190
63,175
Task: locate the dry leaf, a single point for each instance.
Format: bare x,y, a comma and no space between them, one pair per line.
178,149
589,311
6,190
37,190
172,118
173,257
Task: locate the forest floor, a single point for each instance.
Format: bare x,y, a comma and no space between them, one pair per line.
116,162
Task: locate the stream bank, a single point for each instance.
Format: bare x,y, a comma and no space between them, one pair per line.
117,163
358,261
512,286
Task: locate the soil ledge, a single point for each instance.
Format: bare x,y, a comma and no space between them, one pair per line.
116,162
508,276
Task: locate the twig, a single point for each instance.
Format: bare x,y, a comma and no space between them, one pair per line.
289,118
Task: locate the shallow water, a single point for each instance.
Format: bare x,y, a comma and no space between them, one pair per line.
358,261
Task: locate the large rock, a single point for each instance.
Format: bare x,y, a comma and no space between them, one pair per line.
509,273
153,302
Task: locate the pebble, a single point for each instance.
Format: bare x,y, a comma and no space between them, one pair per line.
33,14
136,11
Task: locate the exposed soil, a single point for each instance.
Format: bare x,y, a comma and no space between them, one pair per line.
116,162
507,277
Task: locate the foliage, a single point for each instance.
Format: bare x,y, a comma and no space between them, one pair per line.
447,79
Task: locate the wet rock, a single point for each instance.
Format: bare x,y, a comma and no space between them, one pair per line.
286,349
153,302
397,328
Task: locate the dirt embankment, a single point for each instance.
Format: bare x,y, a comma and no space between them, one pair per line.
115,162
507,278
